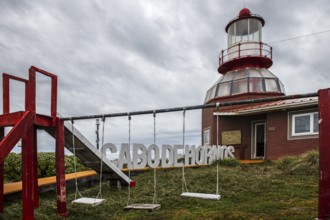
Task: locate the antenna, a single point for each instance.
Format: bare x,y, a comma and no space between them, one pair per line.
97,133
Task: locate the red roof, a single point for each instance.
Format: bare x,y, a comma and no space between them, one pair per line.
274,105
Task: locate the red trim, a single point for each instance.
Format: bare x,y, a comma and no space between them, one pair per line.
245,17
6,89
238,57
244,96
324,154
132,184
28,199
35,169
10,119
15,134
60,169
2,134
32,90
46,121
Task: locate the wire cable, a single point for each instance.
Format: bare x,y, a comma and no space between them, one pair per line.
298,37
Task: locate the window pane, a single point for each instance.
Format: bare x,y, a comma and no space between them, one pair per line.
240,74
224,89
228,77
316,122
242,27
271,85
266,73
254,73
213,90
231,35
302,124
256,85
239,86
207,97
255,29
207,136
242,30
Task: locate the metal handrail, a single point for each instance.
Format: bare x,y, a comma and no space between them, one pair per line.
261,50
187,108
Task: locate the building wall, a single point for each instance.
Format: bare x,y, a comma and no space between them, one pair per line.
242,123
231,123
278,144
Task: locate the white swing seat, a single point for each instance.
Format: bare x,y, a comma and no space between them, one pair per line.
201,195
88,201
142,206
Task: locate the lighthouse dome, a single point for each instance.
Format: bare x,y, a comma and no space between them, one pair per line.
244,12
249,80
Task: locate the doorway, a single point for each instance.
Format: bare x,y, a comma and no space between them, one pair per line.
259,140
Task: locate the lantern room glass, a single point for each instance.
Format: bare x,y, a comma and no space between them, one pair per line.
244,30
249,80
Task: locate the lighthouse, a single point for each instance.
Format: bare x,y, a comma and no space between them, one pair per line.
265,130
244,64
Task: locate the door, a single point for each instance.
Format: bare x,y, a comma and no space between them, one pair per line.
259,140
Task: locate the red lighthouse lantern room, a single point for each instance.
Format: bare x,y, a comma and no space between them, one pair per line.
244,64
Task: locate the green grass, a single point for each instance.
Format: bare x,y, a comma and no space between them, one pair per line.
260,191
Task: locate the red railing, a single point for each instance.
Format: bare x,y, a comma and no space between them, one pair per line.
6,90
25,125
246,49
30,91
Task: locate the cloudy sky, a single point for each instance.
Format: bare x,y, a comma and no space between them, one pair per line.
121,56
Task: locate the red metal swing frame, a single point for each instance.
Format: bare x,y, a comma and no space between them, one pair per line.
25,125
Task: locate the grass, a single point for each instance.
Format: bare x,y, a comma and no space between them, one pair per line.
276,190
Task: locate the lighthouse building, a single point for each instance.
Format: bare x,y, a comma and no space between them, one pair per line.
266,130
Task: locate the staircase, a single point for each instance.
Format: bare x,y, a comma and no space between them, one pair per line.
25,124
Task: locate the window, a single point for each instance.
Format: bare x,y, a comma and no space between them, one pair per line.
224,89
271,85
305,124
207,136
256,85
239,86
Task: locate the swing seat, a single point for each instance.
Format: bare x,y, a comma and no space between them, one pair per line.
201,195
142,206
88,201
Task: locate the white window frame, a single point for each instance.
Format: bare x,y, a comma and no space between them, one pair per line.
311,124
208,132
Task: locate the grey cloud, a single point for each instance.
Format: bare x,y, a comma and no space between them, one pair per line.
119,56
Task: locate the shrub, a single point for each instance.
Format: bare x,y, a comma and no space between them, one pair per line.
307,163
46,166
12,167
229,162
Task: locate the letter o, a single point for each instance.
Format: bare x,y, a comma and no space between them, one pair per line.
155,149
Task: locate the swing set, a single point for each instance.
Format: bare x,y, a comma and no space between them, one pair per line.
144,206
25,124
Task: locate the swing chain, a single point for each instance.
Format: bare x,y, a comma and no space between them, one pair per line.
184,183
129,164
155,169
101,164
217,135
74,161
